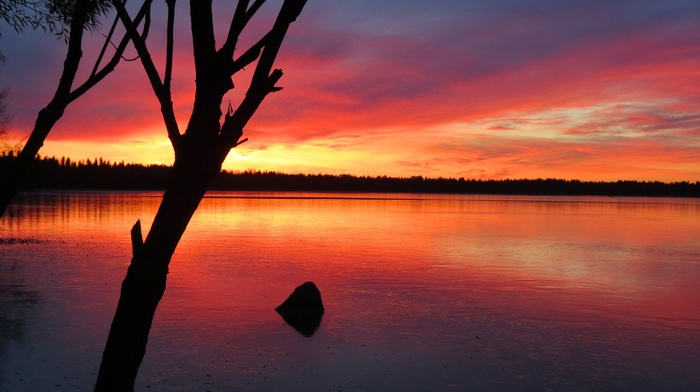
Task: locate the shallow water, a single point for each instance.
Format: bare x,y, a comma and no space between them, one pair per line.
422,292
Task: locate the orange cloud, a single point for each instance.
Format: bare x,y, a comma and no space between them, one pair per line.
548,90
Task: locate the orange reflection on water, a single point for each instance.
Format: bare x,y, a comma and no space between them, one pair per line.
562,292
627,252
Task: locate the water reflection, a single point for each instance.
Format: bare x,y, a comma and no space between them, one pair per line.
421,292
16,301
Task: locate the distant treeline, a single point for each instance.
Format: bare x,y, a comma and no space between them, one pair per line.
98,174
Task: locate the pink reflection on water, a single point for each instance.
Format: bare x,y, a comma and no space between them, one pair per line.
421,291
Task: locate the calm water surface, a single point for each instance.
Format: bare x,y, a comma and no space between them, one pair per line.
422,292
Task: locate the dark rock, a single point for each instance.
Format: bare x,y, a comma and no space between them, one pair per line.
303,309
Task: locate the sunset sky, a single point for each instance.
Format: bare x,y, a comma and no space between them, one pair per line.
591,90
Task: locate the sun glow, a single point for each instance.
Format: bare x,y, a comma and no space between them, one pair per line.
149,148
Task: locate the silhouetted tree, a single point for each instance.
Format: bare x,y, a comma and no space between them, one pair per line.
199,154
78,15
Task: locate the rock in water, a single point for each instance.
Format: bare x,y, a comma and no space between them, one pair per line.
303,309
306,299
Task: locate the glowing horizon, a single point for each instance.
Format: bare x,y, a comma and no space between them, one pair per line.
543,90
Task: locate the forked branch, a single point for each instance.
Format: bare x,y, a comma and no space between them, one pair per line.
240,20
264,80
97,75
160,89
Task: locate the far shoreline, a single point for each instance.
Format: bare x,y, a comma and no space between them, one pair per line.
52,174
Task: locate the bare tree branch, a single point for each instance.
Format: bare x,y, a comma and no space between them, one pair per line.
75,52
162,93
248,57
239,21
167,78
289,12
234,30
108,39
202,25
210,83
254,8
97,75
264,79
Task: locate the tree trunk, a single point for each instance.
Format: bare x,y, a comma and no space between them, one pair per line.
199,153
145,281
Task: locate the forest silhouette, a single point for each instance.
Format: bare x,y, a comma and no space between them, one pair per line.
99,174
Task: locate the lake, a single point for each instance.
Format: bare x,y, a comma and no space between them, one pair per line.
422,292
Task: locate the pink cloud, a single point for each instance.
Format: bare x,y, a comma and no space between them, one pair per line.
629,70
